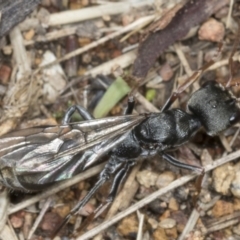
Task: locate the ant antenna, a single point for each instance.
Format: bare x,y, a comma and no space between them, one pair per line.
191,80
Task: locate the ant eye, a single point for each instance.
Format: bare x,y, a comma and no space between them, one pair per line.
234,118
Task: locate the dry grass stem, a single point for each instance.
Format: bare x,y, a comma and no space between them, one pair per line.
225,143
11,229
229,17
20,54
205,207
220,226
218,64
100,41
106,68
7,233
140,225
183,60
145,103
213,222
51,36
190,224
4,201
79,15
40,217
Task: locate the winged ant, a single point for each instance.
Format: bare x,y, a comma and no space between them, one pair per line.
32,159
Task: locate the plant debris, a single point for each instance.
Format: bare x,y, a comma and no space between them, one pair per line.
57,53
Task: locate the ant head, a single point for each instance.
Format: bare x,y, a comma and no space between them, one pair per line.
215,107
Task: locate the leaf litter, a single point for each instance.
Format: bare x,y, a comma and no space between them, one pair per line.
40,89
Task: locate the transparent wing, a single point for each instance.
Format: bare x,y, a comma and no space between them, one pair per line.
47,154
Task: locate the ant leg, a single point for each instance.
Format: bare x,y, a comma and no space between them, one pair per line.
189,81
176,163
130,106
79,205
110,168
185,85
118,179
81,111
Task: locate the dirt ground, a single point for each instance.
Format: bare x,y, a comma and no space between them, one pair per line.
97,53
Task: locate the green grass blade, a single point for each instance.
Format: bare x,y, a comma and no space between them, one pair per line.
113,95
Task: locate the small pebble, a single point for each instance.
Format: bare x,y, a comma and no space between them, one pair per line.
5,73
173,204
165,179
171,233
127,19
29,34
235,185
182,193
84,41
195,235
87,209
166,214
86,58
106,18
63,210
223,177
222,208
156,207
17,220
43,16
205,196
167,223
128,225
160,234
212,30
147,178
183,206
153,223
166,72
50,221
236,204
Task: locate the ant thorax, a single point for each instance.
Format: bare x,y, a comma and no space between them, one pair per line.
215,107
166,130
